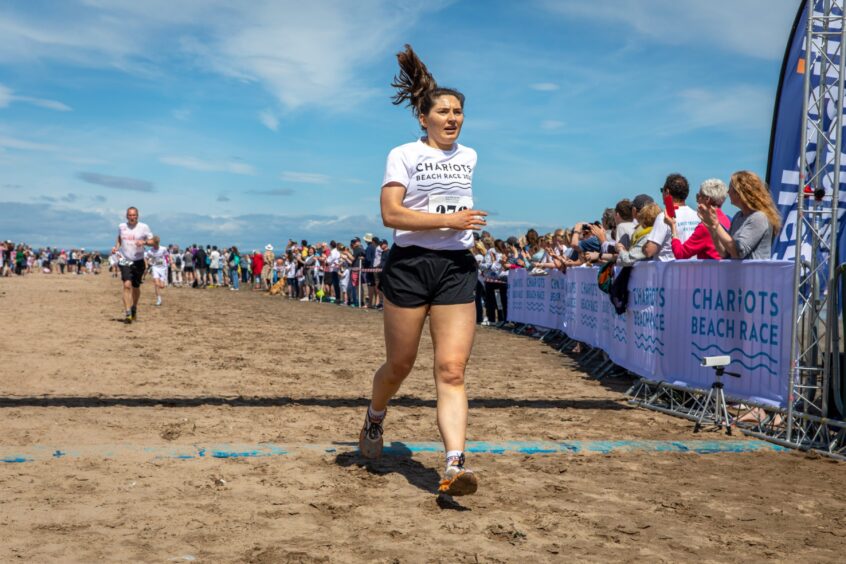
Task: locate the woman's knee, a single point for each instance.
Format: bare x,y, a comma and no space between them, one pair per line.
451,372
399,368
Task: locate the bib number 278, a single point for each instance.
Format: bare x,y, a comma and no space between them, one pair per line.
444,204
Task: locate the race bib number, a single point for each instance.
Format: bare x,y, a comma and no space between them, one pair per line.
123,261
444,203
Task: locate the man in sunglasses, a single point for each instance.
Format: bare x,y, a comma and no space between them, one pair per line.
659,242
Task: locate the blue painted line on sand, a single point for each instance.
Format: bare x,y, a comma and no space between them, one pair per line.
16,455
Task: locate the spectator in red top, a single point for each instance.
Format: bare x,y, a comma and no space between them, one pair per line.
700,244
258,265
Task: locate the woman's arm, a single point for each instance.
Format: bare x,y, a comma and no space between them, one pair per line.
696,243
723,242
397,216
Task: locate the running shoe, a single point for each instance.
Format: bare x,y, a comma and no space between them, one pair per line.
134,313
370,439
458,480
128,318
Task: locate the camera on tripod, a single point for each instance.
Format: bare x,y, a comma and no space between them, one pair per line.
716,361
714,409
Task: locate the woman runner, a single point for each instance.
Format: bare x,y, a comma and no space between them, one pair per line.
427,199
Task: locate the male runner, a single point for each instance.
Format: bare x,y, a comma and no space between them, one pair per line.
132,237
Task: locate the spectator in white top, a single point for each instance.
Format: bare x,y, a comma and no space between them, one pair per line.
214,267
660,241
625,223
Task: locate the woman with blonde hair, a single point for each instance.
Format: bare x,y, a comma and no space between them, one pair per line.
753,228
645,221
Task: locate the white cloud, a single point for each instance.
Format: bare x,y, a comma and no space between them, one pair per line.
44,103
269,120
544,86
305,177
7,96
24,145
302,53
757,28
182,114
81,160
552,125
736,107
193,163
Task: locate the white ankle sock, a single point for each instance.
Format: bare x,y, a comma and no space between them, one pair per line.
374,415
453,454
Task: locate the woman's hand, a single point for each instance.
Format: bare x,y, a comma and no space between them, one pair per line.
466,219
708,214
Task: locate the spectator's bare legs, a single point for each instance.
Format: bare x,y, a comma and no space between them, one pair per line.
403,327
453,328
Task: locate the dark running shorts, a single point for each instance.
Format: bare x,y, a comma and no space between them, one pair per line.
133,272
414,276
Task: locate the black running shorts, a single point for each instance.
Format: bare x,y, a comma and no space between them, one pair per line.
133,271
414,276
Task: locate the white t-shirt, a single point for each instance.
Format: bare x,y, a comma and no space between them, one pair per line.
686,221
214,259
128,237
332,260
157,258
435,182
625,232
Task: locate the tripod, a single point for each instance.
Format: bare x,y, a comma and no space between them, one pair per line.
714,409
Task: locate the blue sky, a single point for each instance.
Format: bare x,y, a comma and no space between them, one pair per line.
253,122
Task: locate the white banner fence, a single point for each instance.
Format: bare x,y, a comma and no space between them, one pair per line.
678,312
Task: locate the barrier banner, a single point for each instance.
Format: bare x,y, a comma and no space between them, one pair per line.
678,312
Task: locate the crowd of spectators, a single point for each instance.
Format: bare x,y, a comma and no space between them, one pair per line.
20,259
308,272
636,229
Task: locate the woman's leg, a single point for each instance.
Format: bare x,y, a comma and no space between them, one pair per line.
403,327
453,328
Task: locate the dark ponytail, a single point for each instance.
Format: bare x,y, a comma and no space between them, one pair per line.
416,86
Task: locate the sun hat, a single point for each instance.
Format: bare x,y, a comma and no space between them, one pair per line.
268,247
368,237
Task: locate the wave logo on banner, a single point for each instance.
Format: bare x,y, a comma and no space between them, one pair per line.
783,168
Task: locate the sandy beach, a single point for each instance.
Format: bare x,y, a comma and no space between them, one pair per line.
213,367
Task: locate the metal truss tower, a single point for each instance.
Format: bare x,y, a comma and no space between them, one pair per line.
815,350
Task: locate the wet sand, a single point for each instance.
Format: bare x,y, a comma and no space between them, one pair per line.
215,367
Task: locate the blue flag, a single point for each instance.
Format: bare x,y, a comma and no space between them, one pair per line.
783,174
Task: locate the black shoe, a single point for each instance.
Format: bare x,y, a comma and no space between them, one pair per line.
134,313
128,318
370,439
